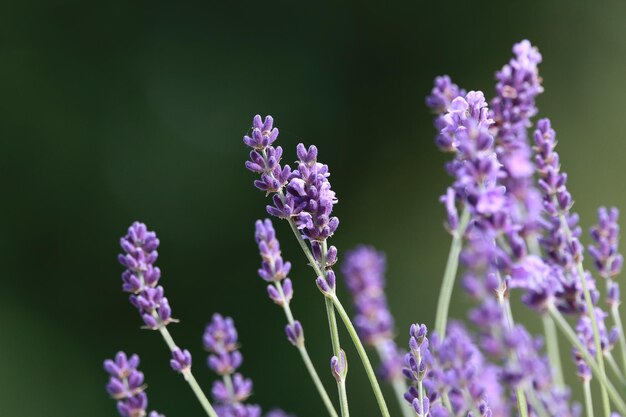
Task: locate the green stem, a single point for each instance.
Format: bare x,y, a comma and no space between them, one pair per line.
398,383
588,398
334,337
503,300
549,329
449,275
362,354
552,345
622,338
191,380
306,358
592,317
346,319
536,404
567,331
615,367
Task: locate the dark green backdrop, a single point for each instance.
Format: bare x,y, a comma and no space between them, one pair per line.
116,111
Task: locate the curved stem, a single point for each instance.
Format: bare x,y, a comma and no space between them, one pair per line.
592,317
191,380
398,383
334,337
362,354
552,346
622,338
317,381
449,275
588,398
549,329
346,319
306,358
573,339
615,367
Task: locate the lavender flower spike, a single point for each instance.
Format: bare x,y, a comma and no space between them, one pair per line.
280,290
126,386
231,393
140,279
364,270
608,262
141,276
605,234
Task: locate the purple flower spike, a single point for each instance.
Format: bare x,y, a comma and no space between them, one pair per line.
442,94
310,193
141,276
273,268
264,158
181,360
126,385
605,234
364,270
220,339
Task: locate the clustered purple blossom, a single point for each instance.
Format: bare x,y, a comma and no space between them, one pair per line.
494,180
363,270
221,341
141,276
126,386
608,261
303,194
453,373
274,270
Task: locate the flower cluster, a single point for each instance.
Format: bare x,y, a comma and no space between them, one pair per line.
363,270
274,270
126,386
141,277
221,340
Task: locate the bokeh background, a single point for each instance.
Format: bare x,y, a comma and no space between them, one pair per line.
117,111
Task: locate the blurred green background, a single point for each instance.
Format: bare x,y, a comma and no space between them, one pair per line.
116,111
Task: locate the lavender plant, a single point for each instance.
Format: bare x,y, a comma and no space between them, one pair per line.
513,232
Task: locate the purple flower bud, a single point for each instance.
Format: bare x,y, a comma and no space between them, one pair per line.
295,334
181,360
339,366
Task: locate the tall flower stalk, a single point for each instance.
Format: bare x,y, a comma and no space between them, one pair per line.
141,279
280,290
303,196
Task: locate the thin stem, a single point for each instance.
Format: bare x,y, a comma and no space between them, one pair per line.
362,354
317,381
549,329
446,402
346,319
398,383
615,367
334,337
503,300
592,317
306,358
449,275
191,380
537,405
622,338
567,331
552,345
588,398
